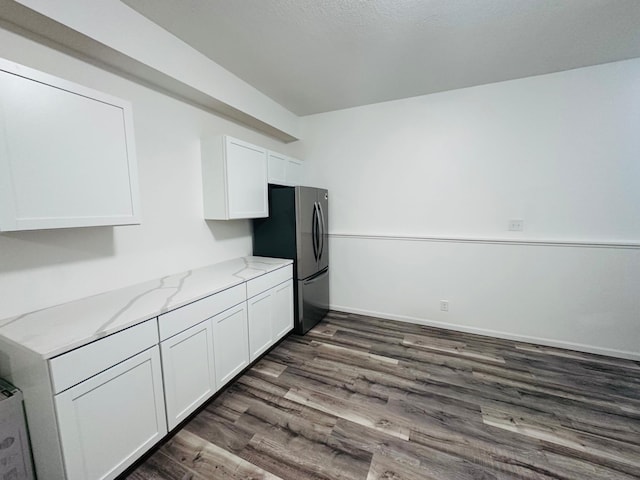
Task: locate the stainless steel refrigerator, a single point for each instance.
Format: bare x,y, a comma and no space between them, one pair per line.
297,229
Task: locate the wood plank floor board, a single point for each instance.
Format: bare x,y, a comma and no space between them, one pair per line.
361,398
617,364
219,430
350,339
160,466
437,463
587,418
207,460
576,376
598,449
299,459
354,390
596,399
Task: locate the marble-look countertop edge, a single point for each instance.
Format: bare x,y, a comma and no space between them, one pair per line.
270,265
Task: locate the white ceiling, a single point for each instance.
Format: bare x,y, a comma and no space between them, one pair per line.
315,56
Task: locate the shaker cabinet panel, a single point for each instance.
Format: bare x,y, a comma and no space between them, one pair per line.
110,420
230,343
188,371
284,170
260,333
67,155
234,179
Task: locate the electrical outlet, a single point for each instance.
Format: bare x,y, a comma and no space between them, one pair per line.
516,225
444,305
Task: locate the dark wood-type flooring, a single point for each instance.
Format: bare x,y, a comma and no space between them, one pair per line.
365,398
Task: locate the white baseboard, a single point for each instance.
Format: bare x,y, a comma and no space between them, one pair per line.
494,333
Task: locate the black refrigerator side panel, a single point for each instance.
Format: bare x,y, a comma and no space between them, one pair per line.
275,236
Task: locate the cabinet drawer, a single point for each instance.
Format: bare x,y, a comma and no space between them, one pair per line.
71,368
178,320
268,280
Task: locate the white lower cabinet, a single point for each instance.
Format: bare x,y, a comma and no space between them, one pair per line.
188,371
270,309
111,419
230,345
96,409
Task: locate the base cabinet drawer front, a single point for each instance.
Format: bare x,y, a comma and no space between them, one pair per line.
188,371
268,280
109,421
230,343
79,364
282,314
180,319
260,332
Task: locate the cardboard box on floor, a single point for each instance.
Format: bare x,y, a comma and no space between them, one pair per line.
15,454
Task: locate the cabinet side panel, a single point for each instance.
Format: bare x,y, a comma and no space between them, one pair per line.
214,189
30,374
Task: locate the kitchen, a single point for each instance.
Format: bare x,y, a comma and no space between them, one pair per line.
444,236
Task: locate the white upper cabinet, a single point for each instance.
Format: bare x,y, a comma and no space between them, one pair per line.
67,154
284,170
234,179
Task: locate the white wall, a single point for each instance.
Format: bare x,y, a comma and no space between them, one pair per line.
446,172
43,268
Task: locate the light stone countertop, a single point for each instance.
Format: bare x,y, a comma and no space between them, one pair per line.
59,329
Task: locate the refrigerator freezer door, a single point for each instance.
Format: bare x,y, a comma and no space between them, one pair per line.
307,226
313,301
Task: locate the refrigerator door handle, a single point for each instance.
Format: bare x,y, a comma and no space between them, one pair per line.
323,228
314,231
318,231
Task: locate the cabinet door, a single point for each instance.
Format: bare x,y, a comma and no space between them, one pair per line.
246,180
294,172
230,343
110,420
260,332
277,168
282,310
284,170
188,371
67,157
